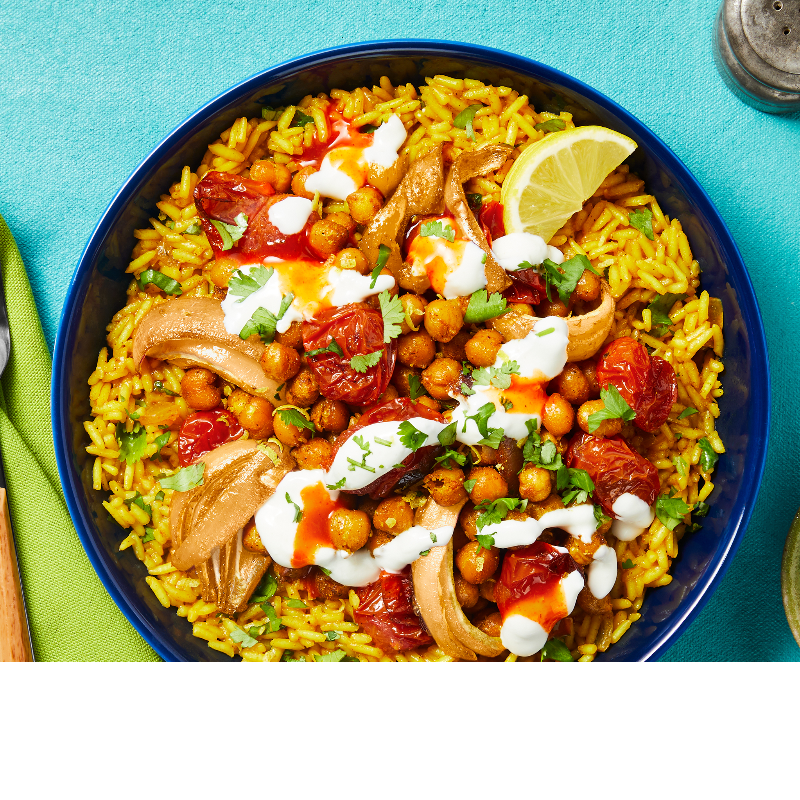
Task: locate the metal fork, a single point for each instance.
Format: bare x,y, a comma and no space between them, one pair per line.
15,634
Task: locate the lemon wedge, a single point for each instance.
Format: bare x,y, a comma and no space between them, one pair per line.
554,177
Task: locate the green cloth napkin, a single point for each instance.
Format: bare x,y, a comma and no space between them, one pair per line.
72,617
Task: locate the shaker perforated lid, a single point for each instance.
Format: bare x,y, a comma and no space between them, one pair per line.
757,51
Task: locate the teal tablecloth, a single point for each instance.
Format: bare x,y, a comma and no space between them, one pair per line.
89,89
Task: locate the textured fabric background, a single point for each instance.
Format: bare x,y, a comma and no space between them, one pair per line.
89,88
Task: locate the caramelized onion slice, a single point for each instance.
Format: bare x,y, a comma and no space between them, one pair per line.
587,332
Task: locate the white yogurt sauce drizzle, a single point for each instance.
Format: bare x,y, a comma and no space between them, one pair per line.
290,215
511,250
633,517
602,572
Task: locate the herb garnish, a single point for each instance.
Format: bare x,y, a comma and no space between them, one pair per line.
615,408
628,564
393,316
556,650
671,510
243,286
411,437
415,387
550,126
184,479
230,234
333,347
545,333
447,435
580,486
338,485
301,119
131,445
438,229
158,386
149,535
495,512
564,277
451,455
708,458
363,363
659,313
383,256
642,220
242,638
298,514
264,322
687,412
291,416
465,119
481,419
470,485
496,376
481,307
600,517
165,283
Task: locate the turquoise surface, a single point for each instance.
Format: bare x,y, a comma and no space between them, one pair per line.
89,89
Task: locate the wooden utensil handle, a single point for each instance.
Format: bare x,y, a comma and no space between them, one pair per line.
15,644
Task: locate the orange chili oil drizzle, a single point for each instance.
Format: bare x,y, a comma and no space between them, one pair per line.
313,530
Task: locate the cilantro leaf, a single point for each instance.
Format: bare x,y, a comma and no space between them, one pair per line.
333,655
243,286
383,256
265,589
481,419
628,564
332,635
131,445
556,650
268,112
687,412
492,513
393,316
294,603
447,435
338,485
242,638
475,201
580,486
465,119
415,387
470,485
615,408
184,479
642,220
564,277
466,391
138,500
451,455
274,621
411,437
681,466
671,510
291,416
481,307
193,229
301,119
708,458
165,283
158,386
600,517
333,347
485,541
541,453
363,363
659,313
701,509
160,441
298,514
494,438
149,535
438,229
496,376
264,322
230,234
550,126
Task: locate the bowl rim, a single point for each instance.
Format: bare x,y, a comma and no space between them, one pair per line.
758,432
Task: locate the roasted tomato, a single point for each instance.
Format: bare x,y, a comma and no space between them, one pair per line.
614,468
490,218
204,431
529,583
647,383
357,329
386,613
222,197
415,465
527,286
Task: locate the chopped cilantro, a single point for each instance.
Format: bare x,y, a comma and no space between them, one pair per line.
333,347
433,537
242,638
438,229
659,313
556,650
131,445
540,334
363,363
564,277
274,620
243,286
481,307
485,541
159,496
158,386
492,513
642,220
600,517
332,635
494,438
362,443
475,201
362,464
415,387
687,412
481,419
333,655
496,376
193,229
615,408
411,437
184,479
465,119
383,256
338,485
268,112
265,589
291,416
708,458
551,126
628,564
671,510
701,509
264,322
507,404
451,455
230,234
160,441
470,485
681,466
164,282
138,500
149,535
293,603
384,442
580,486
393,316
301,119
466,391
447,435
298,514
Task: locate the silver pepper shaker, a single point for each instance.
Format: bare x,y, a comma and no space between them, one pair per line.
757,52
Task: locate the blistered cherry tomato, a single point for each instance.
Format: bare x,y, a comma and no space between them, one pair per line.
529,583
386,613
647,383
358,330
223,197
527,286
204,431
614,468
416,465
490,218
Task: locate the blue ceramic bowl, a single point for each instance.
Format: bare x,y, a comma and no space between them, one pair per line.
98,290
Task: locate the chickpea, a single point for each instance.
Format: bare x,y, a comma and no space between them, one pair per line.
481,350
487,590
606,429
491,624
401,379
352,258
344,220
221,273
588,287
538,510
572,385
415,349
280,362
391,393
293,337
521,309
254,413
326,238
456,347
487,456
378,539
552,309
443,319
429,402
290,435
277,175
299,182
316,454
489,485
558,415
330,416
201,389
534,483
303,390
559,441
414,308
252,541
582,552
442,376
349,529
476,564
589,369
394,515
469,521
466,594
364,204
327,588
446,486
